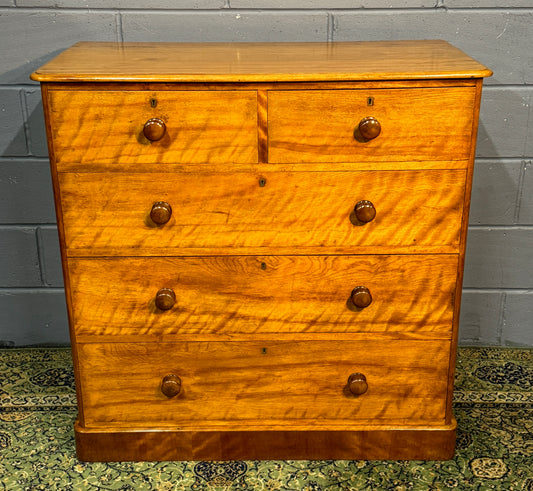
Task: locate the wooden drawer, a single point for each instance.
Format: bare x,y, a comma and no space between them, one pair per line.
106,127
257,382
416,124
293,212
270,294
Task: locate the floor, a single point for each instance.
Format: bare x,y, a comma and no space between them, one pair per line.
493,405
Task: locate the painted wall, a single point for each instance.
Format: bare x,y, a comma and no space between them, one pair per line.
498,294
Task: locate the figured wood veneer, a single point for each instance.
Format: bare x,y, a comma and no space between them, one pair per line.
108,126
263,245
415,124
254,62
280,382
231,212
265,294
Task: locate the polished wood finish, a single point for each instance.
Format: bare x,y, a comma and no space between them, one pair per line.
165,299
361,297
161,212
357,384
154,129
232,213
365,211
263,245
171,385
251,382
368,128
316,443
318,125
201,127
266,62
263,294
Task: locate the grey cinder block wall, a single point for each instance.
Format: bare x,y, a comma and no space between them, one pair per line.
498,285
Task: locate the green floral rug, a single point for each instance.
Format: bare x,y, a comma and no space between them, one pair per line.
493,407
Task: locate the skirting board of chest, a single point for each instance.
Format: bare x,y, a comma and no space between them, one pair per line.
263,245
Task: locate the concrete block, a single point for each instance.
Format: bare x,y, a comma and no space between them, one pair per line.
499,258
518,319
12,136
26,194
34,105
32,37
124,4
503,122
224,26
50,255
480,318
7,3
19,262
525,216
330,4
495,192
474,4
493,37
33,317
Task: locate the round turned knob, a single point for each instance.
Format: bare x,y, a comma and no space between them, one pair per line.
361,297
154,129
171,385
369,128
161,212
365,211
357,384
165,299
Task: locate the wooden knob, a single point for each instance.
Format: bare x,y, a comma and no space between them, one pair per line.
161,212
361,297
171,385
369,128
154,129
357,384
165,299
365,211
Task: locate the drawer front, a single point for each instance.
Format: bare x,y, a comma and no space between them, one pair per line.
269,294
283,382
107,127
109,214
416,124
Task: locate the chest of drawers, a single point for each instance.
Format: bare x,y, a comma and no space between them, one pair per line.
263,245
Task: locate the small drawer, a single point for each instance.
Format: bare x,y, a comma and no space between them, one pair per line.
370,125
294,212
205,384
142,127
155,297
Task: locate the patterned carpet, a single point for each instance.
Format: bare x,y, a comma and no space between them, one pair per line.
493,406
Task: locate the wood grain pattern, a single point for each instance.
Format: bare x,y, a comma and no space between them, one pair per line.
314,442
250,294
257,247
107,126
416,124
292,212
252,62
285,381
63,250
464,232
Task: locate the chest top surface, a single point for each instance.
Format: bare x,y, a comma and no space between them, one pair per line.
259,62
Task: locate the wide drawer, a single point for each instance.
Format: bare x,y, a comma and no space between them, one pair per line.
106,127
269,294
274,382
109,214
416,124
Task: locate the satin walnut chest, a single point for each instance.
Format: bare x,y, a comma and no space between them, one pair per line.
263,245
